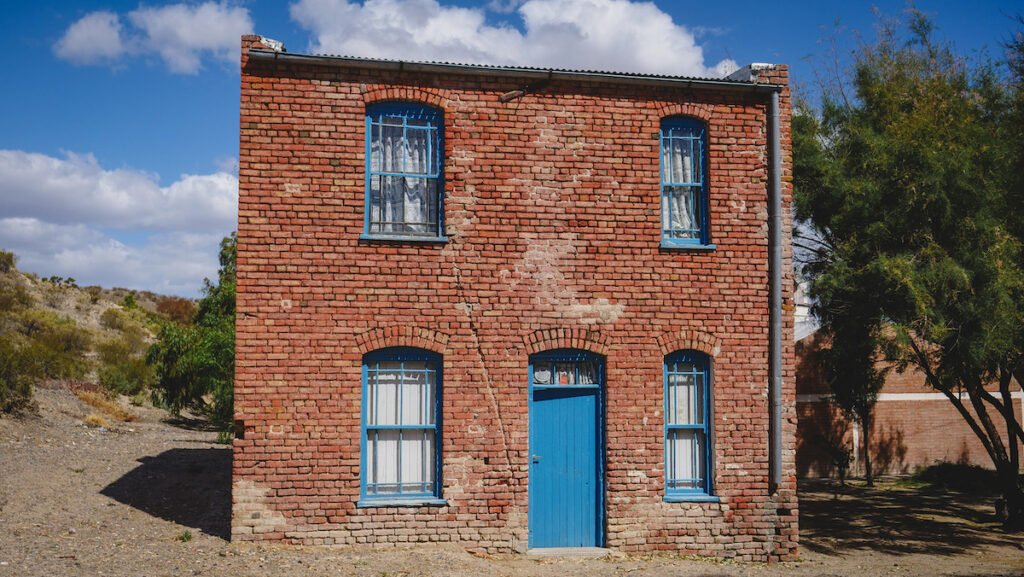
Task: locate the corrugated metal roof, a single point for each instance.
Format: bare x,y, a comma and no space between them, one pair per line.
539,73
510,67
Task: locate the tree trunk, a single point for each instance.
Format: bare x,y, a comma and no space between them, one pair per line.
1013,498
865,423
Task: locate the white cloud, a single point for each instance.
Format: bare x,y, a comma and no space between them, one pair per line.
182,35
76,189
173,263
71,217
94,39
617,35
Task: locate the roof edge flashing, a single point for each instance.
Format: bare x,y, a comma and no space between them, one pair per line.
750,72
728,83
272,45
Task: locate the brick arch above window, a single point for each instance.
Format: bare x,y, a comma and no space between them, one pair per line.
563,338
373,94
402,336
689,339
696,110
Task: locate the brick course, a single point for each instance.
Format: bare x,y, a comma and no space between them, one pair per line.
552,210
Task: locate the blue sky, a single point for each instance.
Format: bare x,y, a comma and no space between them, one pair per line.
120,126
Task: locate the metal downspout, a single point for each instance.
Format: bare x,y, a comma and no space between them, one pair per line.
775,298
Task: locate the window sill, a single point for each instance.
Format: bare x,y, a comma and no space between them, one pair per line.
404,238
687,246
695,498
411,502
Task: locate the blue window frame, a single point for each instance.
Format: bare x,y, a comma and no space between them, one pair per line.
401,432
404,176
688,426
684,193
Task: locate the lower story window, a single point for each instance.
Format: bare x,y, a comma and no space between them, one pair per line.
401,424
687,424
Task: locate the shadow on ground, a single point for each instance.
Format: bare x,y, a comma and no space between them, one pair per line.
191,487
897,520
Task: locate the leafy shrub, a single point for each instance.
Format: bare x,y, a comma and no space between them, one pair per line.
17,375
114,319
13,296
7,261
123,368
196,364
54,347
958,477
94,292
129,301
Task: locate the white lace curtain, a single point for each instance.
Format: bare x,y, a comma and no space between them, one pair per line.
403,196
681,163
401,460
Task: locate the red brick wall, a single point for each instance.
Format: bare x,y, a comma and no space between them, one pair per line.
913,427
553,217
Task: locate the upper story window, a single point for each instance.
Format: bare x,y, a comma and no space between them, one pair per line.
401,426
405,185
687,426
684,193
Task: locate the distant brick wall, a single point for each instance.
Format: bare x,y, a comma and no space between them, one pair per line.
552,211
913,427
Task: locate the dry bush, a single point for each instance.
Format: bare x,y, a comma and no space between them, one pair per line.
96,421
7,261
109,406
179,310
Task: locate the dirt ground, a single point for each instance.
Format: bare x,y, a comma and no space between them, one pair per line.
152,499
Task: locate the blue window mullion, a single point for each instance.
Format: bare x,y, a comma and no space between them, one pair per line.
686,134
402,488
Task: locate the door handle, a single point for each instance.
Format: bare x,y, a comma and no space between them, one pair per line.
536,458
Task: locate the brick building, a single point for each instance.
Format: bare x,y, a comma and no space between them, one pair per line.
513,308
914,425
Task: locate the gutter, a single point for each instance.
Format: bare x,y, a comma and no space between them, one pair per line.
775,298
509,71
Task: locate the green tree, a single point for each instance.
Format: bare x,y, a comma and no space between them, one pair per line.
195,364
907,199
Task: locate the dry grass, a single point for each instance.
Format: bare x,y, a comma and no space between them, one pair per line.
107,405
96,421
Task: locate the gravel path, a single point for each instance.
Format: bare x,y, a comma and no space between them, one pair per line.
149,499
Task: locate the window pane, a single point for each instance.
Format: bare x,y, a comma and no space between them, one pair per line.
588,373
685,459
393,148
376,149
680,207
382,460
384,382
565,373
414,394
417,461
417,151
680,155
542,373
685,398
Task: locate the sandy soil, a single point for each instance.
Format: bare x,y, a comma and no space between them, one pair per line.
151,498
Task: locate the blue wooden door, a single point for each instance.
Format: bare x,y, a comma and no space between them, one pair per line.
566,466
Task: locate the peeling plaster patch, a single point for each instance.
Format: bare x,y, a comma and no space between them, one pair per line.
251,512
640,475
599,311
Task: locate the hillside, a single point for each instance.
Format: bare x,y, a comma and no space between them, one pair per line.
92,338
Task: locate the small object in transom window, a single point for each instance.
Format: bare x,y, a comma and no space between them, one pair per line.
565,374
542,376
